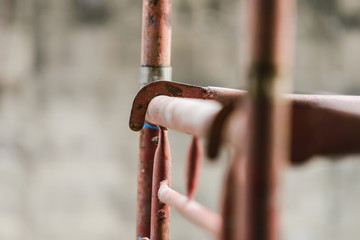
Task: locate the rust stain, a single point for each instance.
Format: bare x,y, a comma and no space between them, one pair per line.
173,90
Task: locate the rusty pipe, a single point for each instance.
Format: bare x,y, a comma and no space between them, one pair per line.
156,33
155,65
160,212
226,96
270,38
312,121
192,116
147,147
174,89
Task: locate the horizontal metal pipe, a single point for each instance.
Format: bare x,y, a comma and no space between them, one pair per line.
192,116
195,117
318,126
191,210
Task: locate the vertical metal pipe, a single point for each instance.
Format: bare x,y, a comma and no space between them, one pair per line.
270,64
156,33
155,65
148,143
160,212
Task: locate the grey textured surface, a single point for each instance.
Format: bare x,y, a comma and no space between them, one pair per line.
68,74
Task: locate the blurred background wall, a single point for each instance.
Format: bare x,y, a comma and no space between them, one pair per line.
68,74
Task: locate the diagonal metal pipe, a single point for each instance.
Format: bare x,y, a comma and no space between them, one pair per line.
191,210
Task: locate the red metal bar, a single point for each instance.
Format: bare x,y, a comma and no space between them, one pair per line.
160,212
191,210
156,33
270,61
312,119
324,125
321,125
192,116
148,143
227,96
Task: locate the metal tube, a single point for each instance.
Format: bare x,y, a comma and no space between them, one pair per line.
317,128
147,147
160,212
270,65
233,204
156,33
226,97
192,116
191,210
155,65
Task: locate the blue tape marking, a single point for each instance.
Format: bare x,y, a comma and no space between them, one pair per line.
149,126
154,24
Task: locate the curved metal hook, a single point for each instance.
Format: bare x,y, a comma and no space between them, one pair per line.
174,89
